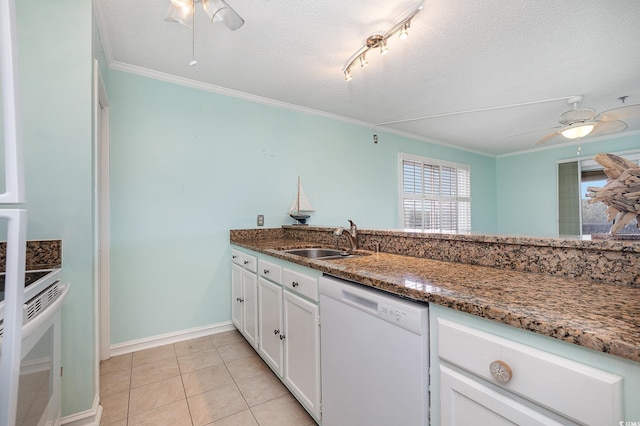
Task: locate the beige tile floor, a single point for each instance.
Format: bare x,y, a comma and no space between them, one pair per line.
216,380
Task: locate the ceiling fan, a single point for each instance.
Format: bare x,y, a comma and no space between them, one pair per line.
582,122
182,11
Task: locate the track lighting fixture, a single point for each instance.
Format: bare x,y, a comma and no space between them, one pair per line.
380,41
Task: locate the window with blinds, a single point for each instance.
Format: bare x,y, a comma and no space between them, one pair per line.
435,195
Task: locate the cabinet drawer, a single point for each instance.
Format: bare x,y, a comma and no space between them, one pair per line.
249,262
300,283
236,257
575,390
270,271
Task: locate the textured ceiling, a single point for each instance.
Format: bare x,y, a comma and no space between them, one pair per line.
461,55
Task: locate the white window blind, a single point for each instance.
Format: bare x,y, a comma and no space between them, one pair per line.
435,195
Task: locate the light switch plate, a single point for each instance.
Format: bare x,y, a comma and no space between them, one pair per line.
260,220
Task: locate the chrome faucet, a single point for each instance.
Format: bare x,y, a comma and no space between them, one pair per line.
351,235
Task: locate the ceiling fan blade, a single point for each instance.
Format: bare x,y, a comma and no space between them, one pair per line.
548,138
607,127
532,131
619,114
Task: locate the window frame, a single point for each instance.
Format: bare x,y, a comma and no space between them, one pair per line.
457,198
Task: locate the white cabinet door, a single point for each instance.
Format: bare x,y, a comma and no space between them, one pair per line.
236,296
302,350
465,401
250,307
270,330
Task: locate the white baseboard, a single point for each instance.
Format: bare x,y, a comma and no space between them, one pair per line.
165,339
90,417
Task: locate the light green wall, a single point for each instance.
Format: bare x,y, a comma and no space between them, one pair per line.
54,43
527,188
188,165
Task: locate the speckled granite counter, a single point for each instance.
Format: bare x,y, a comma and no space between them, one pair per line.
598,315
42,254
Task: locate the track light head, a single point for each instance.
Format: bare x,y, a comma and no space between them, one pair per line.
404,33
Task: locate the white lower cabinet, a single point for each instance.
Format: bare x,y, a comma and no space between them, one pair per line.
288,326
270,326
302,350
244,295
465,400
482,377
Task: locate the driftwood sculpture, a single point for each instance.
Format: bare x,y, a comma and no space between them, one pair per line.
621,193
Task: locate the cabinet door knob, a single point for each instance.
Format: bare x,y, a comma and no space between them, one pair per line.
276,331
246,262
239,299
294,283
500,371
234,256
282,337
266,272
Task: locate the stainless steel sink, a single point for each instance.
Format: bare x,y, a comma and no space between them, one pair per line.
320,253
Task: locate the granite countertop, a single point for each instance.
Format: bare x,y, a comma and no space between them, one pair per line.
600,316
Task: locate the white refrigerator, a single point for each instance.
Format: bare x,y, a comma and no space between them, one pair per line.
13,216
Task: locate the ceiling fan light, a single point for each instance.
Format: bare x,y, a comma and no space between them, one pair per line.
220,11
185,6
179,14
347,75
363,61
215,10
577,132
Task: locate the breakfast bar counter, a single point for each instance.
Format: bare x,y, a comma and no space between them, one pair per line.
603,316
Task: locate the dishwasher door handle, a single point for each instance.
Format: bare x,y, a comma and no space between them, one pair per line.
357,300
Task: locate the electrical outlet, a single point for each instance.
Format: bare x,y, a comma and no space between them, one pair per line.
260,220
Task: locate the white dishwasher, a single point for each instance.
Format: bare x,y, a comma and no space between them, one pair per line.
374,357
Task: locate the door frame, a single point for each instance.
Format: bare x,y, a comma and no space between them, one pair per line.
101,217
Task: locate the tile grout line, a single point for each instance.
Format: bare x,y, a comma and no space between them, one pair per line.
184,389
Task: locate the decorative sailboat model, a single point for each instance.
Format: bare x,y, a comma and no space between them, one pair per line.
301,206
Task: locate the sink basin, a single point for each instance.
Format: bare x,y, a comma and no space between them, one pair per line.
320,253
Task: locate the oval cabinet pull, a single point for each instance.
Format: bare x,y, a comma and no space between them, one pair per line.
239,299
246,262
294,283
276,332
266,272
282,337
500,371
234,256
